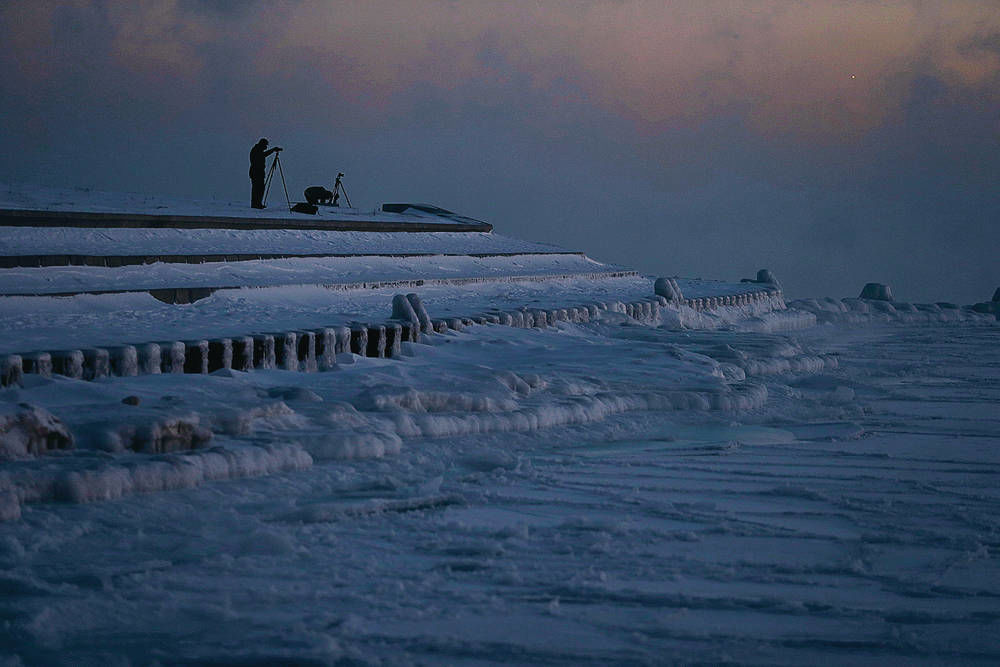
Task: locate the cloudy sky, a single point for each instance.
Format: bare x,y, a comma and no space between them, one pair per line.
833,142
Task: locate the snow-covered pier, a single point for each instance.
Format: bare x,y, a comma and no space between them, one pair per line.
88,209
385,222
135,285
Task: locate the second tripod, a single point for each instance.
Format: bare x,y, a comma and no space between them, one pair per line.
338,188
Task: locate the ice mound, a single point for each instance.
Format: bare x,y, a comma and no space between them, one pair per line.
103,479
668,289
28,430
876,292
551,411
245,421
170,434
351,445
865,311
386,397
764,277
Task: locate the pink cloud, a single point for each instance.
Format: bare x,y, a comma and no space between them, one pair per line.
821,68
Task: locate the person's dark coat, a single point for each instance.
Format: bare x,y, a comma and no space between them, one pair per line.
257,156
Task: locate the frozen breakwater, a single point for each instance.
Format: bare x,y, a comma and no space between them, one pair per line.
358,392
310,350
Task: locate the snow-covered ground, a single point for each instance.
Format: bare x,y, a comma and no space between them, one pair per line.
86,200
608,492
748,484
53,323
341,271
132,242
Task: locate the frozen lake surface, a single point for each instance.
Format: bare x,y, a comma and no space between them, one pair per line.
592,494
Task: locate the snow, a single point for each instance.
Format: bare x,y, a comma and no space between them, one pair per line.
586,493
721,482
35,198
58,323
153,242
865,311
336,271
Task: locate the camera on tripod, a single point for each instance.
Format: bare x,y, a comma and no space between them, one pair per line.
318,195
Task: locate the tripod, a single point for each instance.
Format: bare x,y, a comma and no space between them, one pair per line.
339,188
267,183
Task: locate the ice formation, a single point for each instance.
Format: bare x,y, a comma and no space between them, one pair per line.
29,430
876,292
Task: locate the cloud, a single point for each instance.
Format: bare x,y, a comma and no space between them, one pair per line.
831,69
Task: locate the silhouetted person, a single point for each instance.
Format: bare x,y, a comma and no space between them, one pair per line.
257,155
317,194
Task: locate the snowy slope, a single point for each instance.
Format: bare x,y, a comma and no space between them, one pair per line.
292,271
72,241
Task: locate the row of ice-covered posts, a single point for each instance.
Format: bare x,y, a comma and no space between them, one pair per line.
318,349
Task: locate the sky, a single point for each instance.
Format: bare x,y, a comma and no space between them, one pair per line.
833,142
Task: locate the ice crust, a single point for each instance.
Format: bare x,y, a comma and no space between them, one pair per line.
332,272
369,409
845,518
877,311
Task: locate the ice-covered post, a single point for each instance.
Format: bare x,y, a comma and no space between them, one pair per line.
39,363
150,358
359,339
394,339
402,310
11,370
242,354
307,351
124,360
426,326
286,351
96,363
263,351
68,363
172,357
326,349
343,345
876,292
